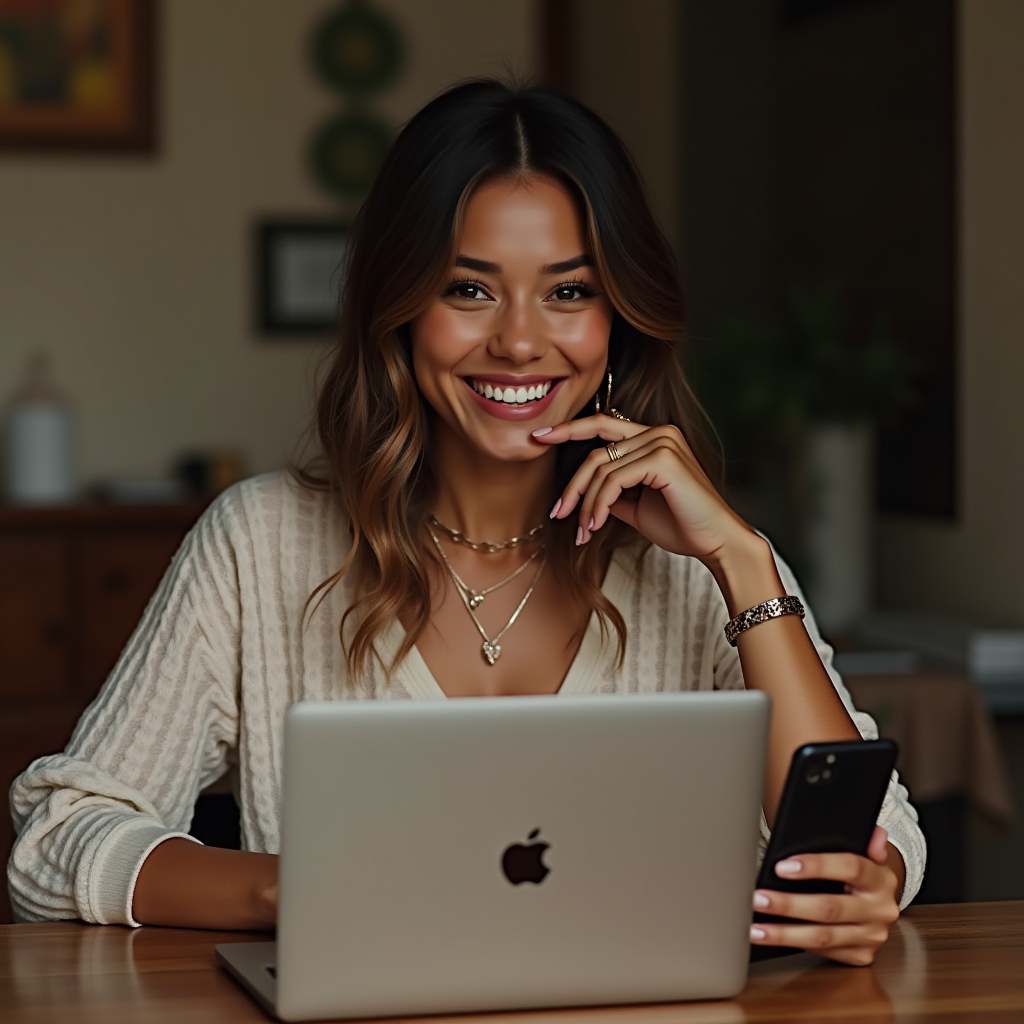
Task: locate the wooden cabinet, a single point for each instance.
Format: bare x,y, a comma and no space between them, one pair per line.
117,575
34,614
73,585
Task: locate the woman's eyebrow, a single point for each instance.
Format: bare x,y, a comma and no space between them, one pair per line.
583,260
486,267
481,266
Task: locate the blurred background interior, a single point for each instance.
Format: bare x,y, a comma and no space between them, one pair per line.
840,180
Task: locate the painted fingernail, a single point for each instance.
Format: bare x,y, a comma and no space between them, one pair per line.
788,867
579,535
761,901
590,525
757,933
554,511
541,431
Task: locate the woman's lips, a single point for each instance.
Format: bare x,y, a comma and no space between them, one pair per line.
505,411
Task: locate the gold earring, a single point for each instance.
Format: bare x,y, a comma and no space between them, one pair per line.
609,411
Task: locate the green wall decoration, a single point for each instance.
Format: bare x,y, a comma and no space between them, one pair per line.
347,151
356,51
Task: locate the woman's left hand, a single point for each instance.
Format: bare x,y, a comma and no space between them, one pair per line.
846,927
678,508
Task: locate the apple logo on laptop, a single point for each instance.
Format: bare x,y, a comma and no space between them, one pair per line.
522,863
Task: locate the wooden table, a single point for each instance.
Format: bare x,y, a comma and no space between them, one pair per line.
958,962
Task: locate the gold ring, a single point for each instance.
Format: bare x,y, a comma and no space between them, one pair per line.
613,453
618,415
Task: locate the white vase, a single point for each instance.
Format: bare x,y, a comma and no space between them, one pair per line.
40,442
840,518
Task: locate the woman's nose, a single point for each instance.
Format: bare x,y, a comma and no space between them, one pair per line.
519,333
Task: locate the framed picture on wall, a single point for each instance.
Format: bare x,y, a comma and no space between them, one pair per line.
77,76
298,272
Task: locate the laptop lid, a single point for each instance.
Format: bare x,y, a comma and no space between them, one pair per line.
470,855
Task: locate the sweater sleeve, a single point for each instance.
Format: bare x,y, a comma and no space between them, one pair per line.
157,733
898,816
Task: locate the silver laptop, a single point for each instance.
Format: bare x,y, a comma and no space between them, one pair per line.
506,853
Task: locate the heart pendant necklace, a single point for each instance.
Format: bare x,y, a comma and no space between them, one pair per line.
472,599
490,647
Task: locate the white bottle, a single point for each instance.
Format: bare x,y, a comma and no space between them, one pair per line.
40,442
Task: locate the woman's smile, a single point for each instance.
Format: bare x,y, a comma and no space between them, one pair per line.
511,397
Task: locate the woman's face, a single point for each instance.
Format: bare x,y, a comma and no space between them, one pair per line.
518,338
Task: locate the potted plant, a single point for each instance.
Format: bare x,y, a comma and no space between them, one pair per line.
796,402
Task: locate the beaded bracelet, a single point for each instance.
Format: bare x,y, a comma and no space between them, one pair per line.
762,612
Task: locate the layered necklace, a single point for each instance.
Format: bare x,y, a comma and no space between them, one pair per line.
472,598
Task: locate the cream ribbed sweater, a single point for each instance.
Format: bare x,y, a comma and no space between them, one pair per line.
220,653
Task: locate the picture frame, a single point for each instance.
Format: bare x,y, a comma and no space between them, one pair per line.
298,275
77,76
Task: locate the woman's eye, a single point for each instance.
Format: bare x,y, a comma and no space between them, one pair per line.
468,290
571,292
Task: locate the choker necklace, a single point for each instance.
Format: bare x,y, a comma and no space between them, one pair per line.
487,546
472,599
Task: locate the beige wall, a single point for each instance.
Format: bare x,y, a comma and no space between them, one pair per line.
134,274
625,58
976,567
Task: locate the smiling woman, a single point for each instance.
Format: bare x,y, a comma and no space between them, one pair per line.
482,521
519,253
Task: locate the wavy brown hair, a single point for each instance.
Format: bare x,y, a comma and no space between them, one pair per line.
373,424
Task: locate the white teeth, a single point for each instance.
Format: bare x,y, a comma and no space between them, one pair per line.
513,396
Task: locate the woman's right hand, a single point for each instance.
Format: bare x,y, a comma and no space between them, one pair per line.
183,884
266,898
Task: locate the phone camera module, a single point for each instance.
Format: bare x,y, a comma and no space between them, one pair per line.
819,770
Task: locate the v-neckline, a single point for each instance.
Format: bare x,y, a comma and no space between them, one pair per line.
415,675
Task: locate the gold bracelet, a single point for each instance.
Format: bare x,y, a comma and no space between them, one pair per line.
762,612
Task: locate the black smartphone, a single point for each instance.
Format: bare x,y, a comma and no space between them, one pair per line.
830,803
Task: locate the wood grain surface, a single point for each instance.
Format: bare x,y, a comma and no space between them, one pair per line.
958,962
